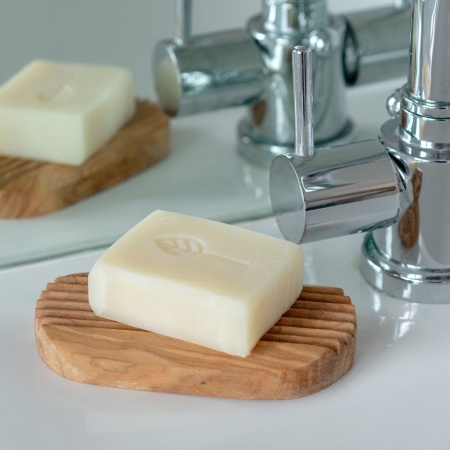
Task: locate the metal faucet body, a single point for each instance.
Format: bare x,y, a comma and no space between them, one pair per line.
253,67
411,258
394,188
269,129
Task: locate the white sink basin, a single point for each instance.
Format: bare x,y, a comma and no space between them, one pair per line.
395,397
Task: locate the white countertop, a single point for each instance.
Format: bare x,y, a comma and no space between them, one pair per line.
395,397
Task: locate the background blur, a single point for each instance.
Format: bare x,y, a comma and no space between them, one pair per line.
116,32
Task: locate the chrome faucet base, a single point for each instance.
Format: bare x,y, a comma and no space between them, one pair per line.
411,258
255,150
415,284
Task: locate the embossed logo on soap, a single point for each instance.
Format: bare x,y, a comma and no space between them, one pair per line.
179,245
57,93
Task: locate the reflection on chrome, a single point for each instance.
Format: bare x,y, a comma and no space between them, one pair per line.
253,67
395,188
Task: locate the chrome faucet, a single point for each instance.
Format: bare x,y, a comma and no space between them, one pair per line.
253,67
396,187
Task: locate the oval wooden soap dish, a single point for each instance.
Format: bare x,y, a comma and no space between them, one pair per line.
311,347
31,188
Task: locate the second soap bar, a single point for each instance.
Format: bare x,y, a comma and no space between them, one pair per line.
62,113
202,281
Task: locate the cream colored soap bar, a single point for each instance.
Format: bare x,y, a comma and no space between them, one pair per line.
62,113
194,279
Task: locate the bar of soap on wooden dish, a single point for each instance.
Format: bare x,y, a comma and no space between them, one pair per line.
62,113
209,283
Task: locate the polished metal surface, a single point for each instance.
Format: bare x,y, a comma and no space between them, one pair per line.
287,16
333,191
430,51
411,259
376,44
340,191
425,113
269,127
303,101
393,103
183,22
397,188
210,72
254,67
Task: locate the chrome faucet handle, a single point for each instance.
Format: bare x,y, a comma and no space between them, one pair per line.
183,22
330,192
206,72
395,187
303,101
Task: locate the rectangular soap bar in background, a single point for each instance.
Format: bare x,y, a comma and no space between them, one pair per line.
62,113
194,279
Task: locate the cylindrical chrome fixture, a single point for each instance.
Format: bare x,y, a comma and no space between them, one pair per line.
376,44
183,22
396,189
303,101
208,72
411,259
430,52
268,129
334,191
340,191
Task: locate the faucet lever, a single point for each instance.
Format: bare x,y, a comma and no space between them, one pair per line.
183,22
303,101
330,192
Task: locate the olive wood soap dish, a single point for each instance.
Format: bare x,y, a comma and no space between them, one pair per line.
310,348
31,188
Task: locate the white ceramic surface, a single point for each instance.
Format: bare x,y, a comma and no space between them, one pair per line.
395,397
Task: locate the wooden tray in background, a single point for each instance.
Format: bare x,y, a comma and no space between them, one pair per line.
310,348
31,188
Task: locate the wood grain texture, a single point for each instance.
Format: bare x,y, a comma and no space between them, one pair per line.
310,348
31,188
